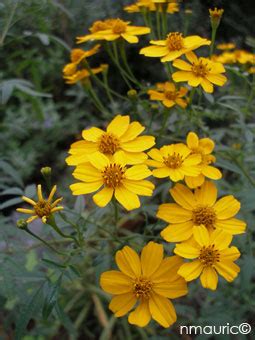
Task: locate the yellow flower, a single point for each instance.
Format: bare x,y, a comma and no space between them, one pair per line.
97,26
148,281
83,74
174,161
225,58
251,70
169,95
226,46
244,57
42,208
120,134
115,178
118,29
173,46
201,71
212,256
193,209
216,14
149,5
203,147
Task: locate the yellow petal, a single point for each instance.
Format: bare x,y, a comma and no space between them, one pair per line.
207,86
85,188
115,282
119,125
192,58
230,254
207,145
171,55
209,278
173,213
25,211
162,310
161,172
171,290
232,226
218,79
98,160
220,239
92,134
142,187
154,51
155,154
141,143
211,172
141,316
151,258
28,200
126,198
87,173
194,182
206,194
201,235
183,196
122,304
31,219
177,232
103,197
39,192
190,271
182,65
137,172
132,39
181,76
192,140
128,262
226,207
167,271
135,157
132,132
228,269
186,250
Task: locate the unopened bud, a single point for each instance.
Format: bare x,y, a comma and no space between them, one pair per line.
46,171
215,16
21,224
132,94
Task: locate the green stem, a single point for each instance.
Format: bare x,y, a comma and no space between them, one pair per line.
8,23
52,223
214,30
98,102
162,130
158,22
164,20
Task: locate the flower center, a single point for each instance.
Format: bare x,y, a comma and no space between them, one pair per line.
98,26
201,69
171,95
209,256
142,288
204,215
113,175
173,161
119,27
174,41
42,208
108,143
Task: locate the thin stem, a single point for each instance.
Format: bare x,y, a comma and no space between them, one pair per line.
8,23
158,22
165,119
125,62
214,30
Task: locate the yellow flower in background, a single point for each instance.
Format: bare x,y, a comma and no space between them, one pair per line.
125,184
118,29
97,26
174,161
226,46
173,46
211,256
145,283
201,207
244,57
203,147
120,134
200,71
82,75
43,208
251,70
224,58
149,5
169,94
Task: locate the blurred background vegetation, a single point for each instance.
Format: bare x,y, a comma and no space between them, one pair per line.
41,116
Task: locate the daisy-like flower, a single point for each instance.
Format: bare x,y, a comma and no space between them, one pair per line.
169,95
43,208
149,5
203,147
200,71
81,75
173,46
212,256
118,29
226,46
201,207
118,181
174,161
120,134
97,26
146,283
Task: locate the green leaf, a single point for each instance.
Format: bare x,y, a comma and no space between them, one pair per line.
10,203
29,311
12,191
51,297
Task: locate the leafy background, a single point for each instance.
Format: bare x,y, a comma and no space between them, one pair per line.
46,296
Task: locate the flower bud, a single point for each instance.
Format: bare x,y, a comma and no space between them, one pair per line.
21,224
132,94
215,16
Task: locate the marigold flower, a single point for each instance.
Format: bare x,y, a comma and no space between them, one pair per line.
83,74
117,29
174,161
226,46
149,280
203,147
215,16
193,209
201,71
169,95
42,208
149,5
120,134
173,46
115,178
212,256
